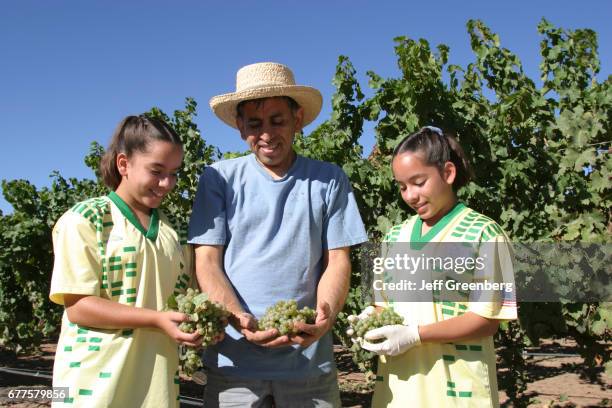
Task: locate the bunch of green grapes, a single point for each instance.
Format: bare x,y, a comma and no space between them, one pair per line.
359,327
284,315
189,360
205,317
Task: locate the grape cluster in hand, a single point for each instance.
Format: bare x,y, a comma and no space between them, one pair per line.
359,327
205,317
284,315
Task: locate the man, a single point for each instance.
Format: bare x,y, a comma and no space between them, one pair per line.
273,226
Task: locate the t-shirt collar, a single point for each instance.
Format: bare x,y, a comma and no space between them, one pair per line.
151,232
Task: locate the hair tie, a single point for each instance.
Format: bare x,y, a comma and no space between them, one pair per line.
435,130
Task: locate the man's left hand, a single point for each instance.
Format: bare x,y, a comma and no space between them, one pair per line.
309,333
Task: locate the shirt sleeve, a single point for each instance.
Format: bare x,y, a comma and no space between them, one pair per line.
343,225
497,256
207,225
77,265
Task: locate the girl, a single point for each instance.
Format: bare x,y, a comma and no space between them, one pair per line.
443,355
117,260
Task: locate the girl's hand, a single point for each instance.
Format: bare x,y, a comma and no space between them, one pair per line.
169,321
397,339
367,312
353,319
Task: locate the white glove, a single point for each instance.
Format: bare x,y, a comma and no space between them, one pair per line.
365,313
398,339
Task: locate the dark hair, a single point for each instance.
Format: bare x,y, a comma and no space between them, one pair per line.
437,148
293,105
134,133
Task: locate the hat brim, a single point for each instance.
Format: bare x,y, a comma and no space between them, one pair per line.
310,99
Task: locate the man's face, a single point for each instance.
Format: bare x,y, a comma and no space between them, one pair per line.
269,127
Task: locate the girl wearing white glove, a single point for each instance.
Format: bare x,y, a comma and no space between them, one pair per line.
443,354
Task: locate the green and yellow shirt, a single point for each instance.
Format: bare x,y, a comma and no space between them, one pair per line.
461,374
102,250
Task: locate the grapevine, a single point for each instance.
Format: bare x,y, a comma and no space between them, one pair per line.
284,315
207,318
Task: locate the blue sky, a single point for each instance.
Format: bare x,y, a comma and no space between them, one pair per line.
70,70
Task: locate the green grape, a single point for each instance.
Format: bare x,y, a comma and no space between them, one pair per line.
190,360
206,317
284,315
386,317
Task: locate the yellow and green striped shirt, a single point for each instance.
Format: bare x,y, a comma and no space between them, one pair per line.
102,250
461,374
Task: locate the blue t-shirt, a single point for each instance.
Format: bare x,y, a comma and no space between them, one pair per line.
274,232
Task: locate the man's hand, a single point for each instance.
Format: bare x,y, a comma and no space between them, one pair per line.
266,338
243,320
309,333
246,324
397,339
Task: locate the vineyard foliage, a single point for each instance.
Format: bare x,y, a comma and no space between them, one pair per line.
540,151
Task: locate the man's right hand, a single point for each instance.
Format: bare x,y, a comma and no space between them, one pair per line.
246,324
243,320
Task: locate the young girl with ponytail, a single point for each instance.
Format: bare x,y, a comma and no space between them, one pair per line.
442,355
117,260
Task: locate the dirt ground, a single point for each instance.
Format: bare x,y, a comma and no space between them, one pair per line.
554,381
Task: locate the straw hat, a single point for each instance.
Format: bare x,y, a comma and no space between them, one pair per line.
264,80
